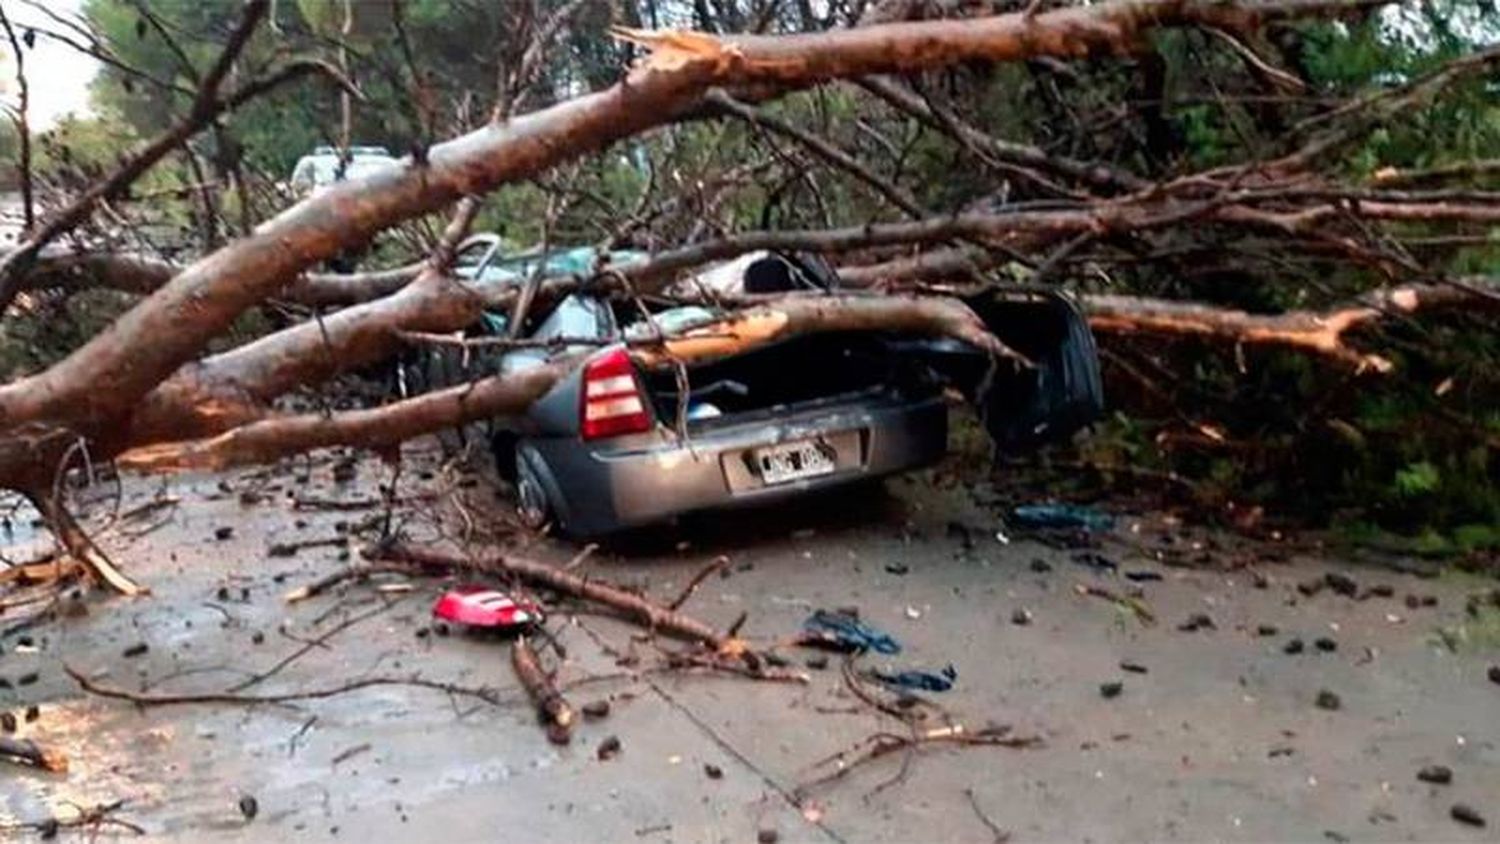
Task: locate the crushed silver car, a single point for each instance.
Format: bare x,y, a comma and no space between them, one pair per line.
614,445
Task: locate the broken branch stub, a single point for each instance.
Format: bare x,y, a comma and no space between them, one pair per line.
553,708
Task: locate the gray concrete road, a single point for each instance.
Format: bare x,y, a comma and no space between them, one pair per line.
1218,739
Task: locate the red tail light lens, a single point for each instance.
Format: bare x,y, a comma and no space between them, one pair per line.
612,400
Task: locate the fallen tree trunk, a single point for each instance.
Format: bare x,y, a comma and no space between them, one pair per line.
86,395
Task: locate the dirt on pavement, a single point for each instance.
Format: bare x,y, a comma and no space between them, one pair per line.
1216,731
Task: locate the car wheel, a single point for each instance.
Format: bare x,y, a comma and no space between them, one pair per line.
533,508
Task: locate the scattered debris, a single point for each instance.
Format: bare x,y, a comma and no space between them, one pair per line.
1143,576
358,572
1466,814
845,632
1325,644
249,807
1311,587
712,771
766,835
643,610
1040,566
223,532
27,752
596,709
1197,621
1061,516
135,650
1341,584
1436,774
289,549
1135,606
1329,701
1111,689
1293,646
486,608
926,681
1021,617
897,568
349,753
608,749
1266,630
1133,667
1494,674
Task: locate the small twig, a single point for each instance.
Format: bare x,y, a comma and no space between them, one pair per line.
583,555
880,745
318,642
486,694
288,549
999,835
358,572
1135,606
85,816
703,574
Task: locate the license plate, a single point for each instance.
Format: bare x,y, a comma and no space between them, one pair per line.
793,461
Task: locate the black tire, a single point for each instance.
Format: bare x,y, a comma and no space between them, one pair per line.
503,447
534,508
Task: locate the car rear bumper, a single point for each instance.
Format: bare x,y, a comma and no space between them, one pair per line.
602,488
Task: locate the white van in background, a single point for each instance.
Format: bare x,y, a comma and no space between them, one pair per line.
322,168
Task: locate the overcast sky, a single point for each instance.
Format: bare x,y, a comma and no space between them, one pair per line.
57,74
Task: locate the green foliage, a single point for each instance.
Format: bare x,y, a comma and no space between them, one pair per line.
1417,479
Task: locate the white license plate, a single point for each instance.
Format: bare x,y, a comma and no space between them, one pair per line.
793,461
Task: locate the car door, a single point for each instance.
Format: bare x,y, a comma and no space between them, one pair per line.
1062,393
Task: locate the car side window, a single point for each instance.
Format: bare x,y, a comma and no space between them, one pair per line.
471,256
577,316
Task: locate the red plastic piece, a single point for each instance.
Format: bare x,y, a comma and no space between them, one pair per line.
481,606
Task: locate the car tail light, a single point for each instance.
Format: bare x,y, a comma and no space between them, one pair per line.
612,400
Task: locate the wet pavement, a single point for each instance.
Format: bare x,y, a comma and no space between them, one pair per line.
1216,732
